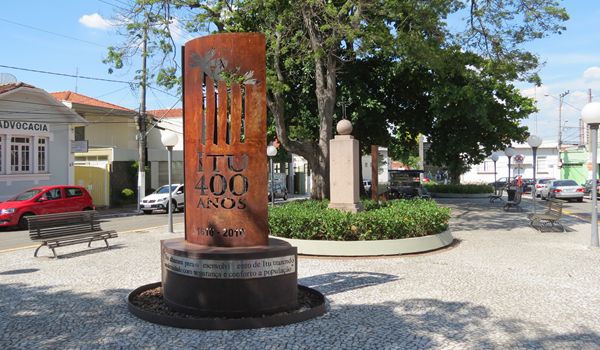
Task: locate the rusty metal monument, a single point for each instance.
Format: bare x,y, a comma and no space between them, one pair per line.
226,266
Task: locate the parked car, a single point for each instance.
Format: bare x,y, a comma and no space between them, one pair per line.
367,185
43,200
406,184
563,189
159,200
528,185
279,190
587,187
540,185
499,183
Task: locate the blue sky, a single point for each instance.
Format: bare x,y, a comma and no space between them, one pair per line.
572,59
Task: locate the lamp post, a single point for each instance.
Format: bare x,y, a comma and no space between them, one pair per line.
591,116
271,152
534,142
169,139
494,158
509,151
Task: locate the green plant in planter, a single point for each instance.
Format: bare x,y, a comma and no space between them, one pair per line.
387,220
461,189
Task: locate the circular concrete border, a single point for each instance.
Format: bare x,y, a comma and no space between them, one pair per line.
224,323
459,195
372,248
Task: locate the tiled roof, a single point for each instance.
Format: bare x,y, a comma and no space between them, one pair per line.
167,113
85,100
12,86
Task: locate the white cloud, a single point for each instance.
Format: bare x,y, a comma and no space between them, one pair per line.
95,21
178,32
592,73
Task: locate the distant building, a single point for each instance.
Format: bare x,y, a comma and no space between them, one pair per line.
385,164
547,164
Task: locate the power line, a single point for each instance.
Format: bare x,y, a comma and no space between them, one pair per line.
83,77
49,32
65,74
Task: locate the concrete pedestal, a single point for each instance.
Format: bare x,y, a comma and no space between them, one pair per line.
230,282
344,176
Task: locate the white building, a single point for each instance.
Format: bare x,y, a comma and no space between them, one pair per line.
547,164
36,134
384,165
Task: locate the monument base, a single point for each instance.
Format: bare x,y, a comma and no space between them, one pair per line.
229,282
147,303
351,207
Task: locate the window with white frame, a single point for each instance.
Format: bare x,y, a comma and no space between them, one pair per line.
23,154
486,167
20,154
42,155
542,164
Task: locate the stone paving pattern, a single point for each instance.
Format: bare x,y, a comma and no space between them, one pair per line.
503,285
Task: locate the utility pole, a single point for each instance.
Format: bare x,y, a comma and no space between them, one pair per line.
560,103
141,120
582,128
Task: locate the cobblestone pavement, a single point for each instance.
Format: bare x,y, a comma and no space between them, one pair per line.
501,286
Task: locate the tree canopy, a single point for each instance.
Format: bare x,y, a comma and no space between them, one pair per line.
399,66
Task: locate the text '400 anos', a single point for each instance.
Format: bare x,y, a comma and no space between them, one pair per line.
225,192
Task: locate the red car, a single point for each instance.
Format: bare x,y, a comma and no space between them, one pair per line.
43,200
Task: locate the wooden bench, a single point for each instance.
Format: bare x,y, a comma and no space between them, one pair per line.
550,216
515,202
62,229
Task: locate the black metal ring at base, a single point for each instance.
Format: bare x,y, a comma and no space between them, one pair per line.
224,323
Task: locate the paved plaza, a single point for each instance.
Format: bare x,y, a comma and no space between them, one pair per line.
502,285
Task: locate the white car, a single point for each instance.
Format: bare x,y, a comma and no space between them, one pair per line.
159,200
563,189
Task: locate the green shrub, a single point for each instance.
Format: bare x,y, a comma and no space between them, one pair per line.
388,220
463,189
127,193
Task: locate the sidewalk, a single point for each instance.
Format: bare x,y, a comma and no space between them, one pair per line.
502,285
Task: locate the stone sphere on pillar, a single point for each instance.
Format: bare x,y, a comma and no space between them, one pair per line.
344,127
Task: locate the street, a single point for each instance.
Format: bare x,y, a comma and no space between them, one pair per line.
11,239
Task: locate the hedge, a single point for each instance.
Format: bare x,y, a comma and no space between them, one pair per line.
469,188
395,219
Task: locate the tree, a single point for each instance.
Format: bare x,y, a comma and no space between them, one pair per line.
312,44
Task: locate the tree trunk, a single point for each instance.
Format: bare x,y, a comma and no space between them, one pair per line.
315,153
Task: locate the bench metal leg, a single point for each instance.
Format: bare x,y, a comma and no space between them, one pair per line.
106,242
54,252
38,248
90,243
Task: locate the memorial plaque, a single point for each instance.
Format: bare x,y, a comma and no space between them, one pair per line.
230,269
225,140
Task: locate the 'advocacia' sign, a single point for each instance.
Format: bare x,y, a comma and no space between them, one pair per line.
24,126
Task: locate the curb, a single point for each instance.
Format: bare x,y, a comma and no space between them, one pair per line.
372,248
459,195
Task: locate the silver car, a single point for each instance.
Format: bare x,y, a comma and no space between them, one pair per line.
540,185
563,189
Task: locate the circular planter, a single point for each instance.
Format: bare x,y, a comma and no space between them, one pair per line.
372,248
162,315
459,195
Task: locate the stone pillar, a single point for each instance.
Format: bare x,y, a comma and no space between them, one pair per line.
343,169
